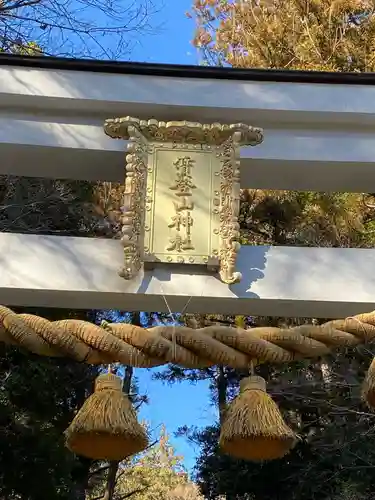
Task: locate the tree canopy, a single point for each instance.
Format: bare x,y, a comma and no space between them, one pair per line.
329,35
38,399
154,474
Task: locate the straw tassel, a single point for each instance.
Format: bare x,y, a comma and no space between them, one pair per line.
368,389
106,427
253,427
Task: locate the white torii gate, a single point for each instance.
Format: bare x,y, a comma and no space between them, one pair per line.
318,135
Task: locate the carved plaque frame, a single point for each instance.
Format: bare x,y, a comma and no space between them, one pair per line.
182,193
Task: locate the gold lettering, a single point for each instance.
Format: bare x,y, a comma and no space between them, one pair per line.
183,183
182,222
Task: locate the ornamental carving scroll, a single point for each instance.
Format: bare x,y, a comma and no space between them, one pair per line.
182,193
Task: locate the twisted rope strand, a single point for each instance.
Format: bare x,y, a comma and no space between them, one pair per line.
191,348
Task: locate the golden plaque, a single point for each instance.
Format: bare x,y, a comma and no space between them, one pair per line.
182,193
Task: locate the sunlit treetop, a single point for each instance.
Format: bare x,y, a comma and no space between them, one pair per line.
296,34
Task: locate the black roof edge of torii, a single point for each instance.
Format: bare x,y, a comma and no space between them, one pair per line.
186,71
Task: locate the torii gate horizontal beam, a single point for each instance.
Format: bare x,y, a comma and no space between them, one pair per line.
69,272
51,125
287,159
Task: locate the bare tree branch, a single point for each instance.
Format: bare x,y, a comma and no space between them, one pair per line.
76,28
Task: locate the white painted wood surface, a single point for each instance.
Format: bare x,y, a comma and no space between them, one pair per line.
280,281
187,98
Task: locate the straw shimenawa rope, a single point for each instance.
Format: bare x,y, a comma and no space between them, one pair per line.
106,427
252,426
214,345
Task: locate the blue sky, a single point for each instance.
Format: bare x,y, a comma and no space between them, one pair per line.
183,403
176,405
171,44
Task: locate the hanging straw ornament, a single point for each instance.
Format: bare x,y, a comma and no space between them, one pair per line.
106,427
368,389
253,427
